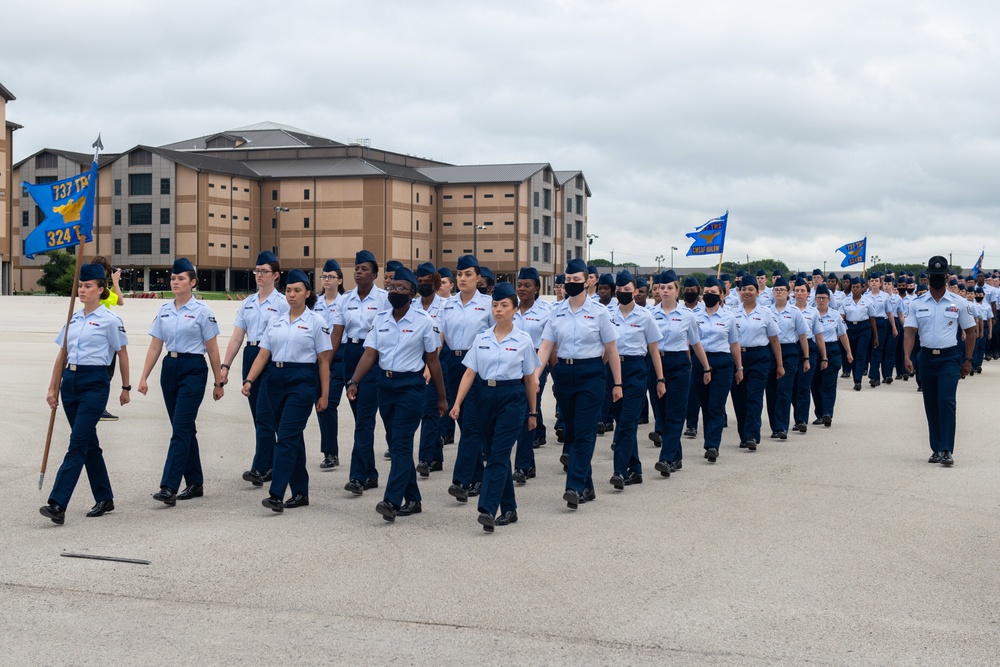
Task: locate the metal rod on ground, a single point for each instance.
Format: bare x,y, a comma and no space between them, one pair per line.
115,559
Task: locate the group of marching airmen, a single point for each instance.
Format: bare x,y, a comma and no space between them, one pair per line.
435,348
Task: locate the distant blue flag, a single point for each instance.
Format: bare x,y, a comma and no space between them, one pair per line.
67,204
979,264
710,238
855,252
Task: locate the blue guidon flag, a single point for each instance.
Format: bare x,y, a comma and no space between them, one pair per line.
979,264
710,238
68,206
854,253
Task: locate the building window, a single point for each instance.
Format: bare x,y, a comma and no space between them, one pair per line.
466,196
140,185
547,199
569,256
164,216
164,246
510,250
305,223
274,195
140,158
24,218
164,186
211,215
447,196
223,187
467,224
509,195
446,224
546,252
547,225
569,204
534,254
569,230
274,223
579,185
211,245
118,187
118,216
547,176
487,224
432,200
140,214
579,230
534,226
305,194
223,216
418,225
536,195
140,244
305,251
579,204
46,161
211,185
118,246
418,252
487,249
418,197
579,252
487,196
508,222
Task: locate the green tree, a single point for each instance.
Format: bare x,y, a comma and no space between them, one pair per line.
600,261
57,273
768,264
698,275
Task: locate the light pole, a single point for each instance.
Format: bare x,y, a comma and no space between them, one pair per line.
659,259
278,210
672,248
590,242
475,239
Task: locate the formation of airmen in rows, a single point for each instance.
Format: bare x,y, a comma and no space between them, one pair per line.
433,349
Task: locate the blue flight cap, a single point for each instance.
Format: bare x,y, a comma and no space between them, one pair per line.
980,290
780,282
801,282
910,281
748,281
403,273
640,283
606,279
181,264
656,278
445,272
363,256
426,269
504,290
761,272
740,273
266,257
393,265
832,276
725,277
467,262
921,287
712,281
952,283
592,269
822,289
855,281
92,272
486,273
691,281
775,273
298,276
923,274
576,266
846,276
331,265
668,276
561,279
623,278
817,272
529,273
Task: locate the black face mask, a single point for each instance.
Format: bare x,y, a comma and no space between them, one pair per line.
937,281
483,290
980,299
690,297
910,290
711,300
574,289
624,298
425,290
397,300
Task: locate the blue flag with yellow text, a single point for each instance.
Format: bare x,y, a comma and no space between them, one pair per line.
979,264
854,253
68,206
710,238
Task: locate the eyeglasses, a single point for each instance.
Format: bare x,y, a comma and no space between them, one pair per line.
401,289
262,272
329,276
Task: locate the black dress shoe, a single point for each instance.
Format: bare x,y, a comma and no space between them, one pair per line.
329,462
857,386
827,420
744,444
782,435
617,481
255,477
898,377
656,438
166,496
613,445
643,420
102,508
752,444
633,478
273,503
487,521
946,459
711,454
539,441
355,487
818,421
54,511
298,500
459,493
424,469
564,459
678,464
572,499
387,511
506,518
530,472
873,383
191,491
267,476
559,435
888,380
801,428
519,476
664,467
371,483
437,465
690,433
845,375
408,508
588,496
449,440
774,434
600,428
388,454
935,458
474,489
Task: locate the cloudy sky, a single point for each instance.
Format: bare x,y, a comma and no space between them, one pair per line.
812,123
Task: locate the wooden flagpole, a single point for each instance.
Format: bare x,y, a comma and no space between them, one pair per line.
718,271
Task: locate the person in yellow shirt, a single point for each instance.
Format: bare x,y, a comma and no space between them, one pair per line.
115,298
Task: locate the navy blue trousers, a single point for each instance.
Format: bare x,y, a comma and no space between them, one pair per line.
748,396
651,389
880,351
579,389
401,404
694,404
524,456
778,393
803,382
979,353
635,373
892,344
939,374
607,412
673,405
260,409
500,414
84,396
859,336
364,409
824,383
712,396
447,423
329,421
293,394
182,381
469,458
431,428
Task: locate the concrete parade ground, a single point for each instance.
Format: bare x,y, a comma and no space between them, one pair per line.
842,546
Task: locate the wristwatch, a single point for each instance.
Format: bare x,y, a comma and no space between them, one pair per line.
220,385
349,383
708,370
226,366
532,414
126,387
659,380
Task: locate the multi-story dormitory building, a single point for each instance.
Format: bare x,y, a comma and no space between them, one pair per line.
221,198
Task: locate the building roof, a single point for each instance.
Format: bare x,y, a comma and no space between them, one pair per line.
6,94
256,136
486,173
14,126
565,176
327,167
80,158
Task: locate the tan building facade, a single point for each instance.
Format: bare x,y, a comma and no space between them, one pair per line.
7,186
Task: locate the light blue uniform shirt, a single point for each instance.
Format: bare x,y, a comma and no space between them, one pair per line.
811,317
833,326
857,312
401,345
356,315
733,300
93,339
987,312
907,302
756,326
532,322
635,332
836,299
896,305
185,330
434,310
509,359
254,316
765,297
298,341
791,324
717,331
328,312
678,329
580,335
881,304
460,324
937,322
